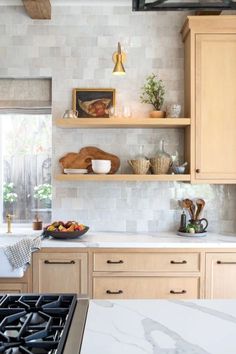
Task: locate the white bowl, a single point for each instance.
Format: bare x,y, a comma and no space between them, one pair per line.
101,166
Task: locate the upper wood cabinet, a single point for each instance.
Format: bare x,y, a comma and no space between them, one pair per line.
210,96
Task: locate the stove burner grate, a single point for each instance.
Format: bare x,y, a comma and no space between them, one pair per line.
36,324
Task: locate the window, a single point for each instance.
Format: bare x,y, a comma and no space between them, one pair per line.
25,159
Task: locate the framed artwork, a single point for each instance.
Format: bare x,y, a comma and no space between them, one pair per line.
93,103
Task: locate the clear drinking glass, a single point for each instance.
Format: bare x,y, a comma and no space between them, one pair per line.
112,112
118,111
174,110
127,112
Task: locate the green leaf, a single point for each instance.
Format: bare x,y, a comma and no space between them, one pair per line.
153,92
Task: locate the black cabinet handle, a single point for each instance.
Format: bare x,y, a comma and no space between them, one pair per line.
220,262
176,262
115,262
198,170
58,262
178,292
114,292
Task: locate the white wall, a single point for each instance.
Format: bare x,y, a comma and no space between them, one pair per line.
75,49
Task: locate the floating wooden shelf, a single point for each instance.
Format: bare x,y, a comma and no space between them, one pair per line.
123,177
123,123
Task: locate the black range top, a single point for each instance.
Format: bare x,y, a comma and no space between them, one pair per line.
39,324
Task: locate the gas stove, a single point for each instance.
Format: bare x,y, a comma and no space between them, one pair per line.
50,323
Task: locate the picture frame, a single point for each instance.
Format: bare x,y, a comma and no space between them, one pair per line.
93,102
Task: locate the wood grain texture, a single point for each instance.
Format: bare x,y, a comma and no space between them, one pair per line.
207,280
60,278
210,97
13,288
38,9
146,287
122,177
83,159
122,123
220,278
147,262
216,107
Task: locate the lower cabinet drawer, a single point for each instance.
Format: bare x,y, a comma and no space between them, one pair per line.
145,287
146,262
13,288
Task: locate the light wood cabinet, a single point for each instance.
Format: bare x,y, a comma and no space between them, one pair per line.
146,287
221,276
130,273
60,273
146,274
210,95
17,285
146,262
13,288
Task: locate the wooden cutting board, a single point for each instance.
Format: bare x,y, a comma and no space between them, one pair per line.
83,158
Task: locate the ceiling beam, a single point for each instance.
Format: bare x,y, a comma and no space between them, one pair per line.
38,9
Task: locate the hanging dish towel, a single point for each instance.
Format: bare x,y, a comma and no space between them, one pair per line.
19,254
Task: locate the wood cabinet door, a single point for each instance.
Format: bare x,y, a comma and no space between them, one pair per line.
221,276
13,288
60,273
215,148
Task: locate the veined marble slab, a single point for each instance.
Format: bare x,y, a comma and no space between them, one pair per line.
132,240
129,240
160,327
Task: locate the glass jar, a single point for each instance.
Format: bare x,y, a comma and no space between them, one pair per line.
140,155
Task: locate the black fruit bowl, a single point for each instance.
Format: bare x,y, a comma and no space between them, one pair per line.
65,235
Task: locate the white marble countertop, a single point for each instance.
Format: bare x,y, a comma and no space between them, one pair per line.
160,326
128,240
131,240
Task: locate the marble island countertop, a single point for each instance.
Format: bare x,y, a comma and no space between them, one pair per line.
127,240
160,326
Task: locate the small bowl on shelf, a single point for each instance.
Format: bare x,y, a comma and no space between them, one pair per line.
101,166
178,170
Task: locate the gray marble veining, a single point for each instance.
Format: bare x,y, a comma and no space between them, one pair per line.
160,327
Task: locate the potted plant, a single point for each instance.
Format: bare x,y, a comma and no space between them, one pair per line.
153,92
43,192
9,197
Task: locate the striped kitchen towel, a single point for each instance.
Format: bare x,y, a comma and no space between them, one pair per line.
19,254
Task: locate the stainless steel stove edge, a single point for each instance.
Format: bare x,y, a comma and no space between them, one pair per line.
76,332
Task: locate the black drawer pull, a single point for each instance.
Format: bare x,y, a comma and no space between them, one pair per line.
176,262
58,262
115,262
220,262
114,292
178,292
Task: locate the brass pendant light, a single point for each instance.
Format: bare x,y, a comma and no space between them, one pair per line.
119,58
